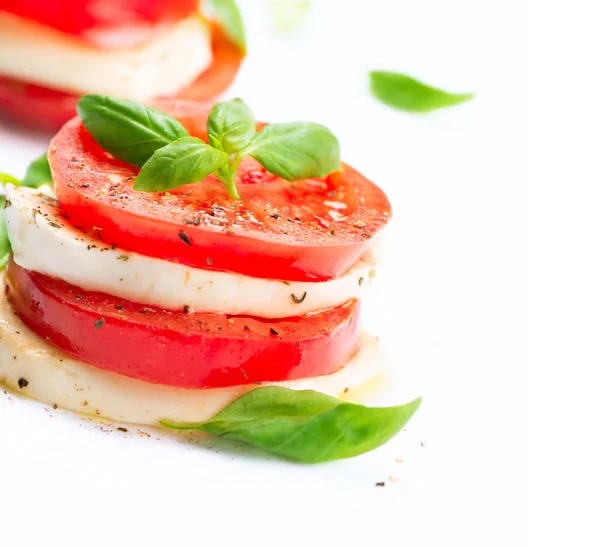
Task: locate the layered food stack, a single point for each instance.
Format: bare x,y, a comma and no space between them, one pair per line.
53,52
149,305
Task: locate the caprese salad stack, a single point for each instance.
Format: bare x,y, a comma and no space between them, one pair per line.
52,52
192,257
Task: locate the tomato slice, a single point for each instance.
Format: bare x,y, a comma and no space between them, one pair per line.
308,230
50,109
191,350
95,20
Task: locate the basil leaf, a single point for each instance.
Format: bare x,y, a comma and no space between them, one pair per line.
4,241
305,425
38,173
297,150
6,178
231,126
406,93
184,161
230,19
128,130
287,15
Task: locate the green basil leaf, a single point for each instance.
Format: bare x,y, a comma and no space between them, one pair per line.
6,178
288,15
38,173
305,425
128,130
182,162
4,241
297,150
231,126
406,93
230,19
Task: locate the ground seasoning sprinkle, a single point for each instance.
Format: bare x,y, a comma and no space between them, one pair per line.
124,258
380,484
360,281
273,331
185,238
298,300
246,327
23,383
186,309
123,429
98,324
209,261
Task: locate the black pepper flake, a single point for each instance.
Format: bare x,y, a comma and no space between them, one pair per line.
246,327
7,202
119,307
275,216
298,300
55,406
84,186
273,331
23,383
54,224
209,261
360,281
123,429
185,238
78,296
186,309
365,235
98,324
124,258
380,484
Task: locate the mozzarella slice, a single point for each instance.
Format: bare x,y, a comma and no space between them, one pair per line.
41,55
43,243
54,378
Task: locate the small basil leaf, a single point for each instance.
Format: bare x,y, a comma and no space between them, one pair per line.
297,150
231,126
406,93
230,19
182,162
4,241
288,15
38,173
128,130
305,425
5,178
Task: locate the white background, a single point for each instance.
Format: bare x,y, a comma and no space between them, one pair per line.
450,309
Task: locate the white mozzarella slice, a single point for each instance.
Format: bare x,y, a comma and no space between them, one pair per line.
54,378
41,55
43,243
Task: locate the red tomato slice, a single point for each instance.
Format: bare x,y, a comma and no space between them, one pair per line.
50,109
193,350
97,21
313,229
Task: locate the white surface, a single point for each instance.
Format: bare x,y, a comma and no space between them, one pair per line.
69,254
162,67
450,311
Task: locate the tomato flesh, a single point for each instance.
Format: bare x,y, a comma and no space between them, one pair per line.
191,350
49,109
313,229
94,20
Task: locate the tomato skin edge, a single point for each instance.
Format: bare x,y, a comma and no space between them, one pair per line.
121,342
49,109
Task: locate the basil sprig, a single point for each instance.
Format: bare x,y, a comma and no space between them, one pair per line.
405,93
229,17
169,157
305,425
